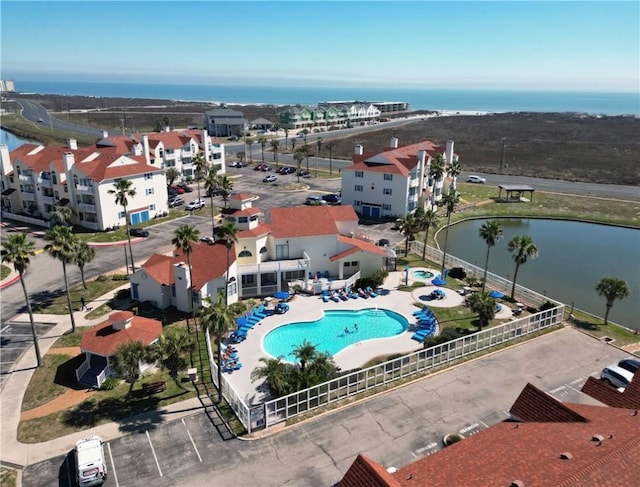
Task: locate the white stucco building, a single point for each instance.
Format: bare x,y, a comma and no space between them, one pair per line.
392,183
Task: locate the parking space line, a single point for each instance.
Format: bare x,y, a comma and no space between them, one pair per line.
192,442
113,466
8,326
483,423
570,387
154,453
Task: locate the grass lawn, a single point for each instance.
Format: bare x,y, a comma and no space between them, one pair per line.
596,327
8,477
4,271
51,380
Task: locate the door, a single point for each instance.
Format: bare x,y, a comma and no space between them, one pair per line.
366,210
375,212
135,218
144,216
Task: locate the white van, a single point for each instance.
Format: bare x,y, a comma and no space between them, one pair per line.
91,469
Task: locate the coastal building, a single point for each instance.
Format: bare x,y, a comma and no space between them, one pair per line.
7,86
327,116
384,106
224,122
395,181
315,247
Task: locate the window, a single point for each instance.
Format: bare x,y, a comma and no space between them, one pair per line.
149,191
54,178
232,287
152,207
357,203
148,176
346,264
354,263
282,252
386,191
358,188
359,174
263,250
121,214
386,207
388,177
245,253
248,280
243,219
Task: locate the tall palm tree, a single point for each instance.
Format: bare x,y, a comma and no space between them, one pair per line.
217,319
612,288
319,144
262,140
171,173
170,351
449,201
184,237
275,143
307,150
127,361
83,254
408,227
436,172
330,146
521,248
249,142
490,232
286,138
454,169
211,183
200,169
241,155
484,305
226,185
123,190
426,220
227,232
61,247
18,250
298,156
61,215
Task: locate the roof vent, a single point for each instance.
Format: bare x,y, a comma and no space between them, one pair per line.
566,456
597,438
635,413
517,483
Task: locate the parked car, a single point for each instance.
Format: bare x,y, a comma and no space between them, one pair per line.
178,189
286,170
138,232
616,376
383,242
332,199
232,137
314,201
472,178
207,239
171,192
214,191
304,173
265,167
195,205
271,178
241,164
175,201
630,364
185,186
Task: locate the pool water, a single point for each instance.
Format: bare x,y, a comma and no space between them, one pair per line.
421,274
328,333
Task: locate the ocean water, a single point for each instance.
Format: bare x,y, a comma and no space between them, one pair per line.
418,99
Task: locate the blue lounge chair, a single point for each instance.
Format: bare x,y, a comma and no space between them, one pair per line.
371,292
251,318
423,310
335,297
325,296
259,313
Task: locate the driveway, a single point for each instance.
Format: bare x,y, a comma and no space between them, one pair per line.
395,428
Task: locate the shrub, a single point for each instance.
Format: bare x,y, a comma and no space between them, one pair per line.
457,273
110,384
102,278
445,336
547,305
119,277
123,294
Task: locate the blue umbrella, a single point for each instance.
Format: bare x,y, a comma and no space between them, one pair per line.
281,295
438,281
496,294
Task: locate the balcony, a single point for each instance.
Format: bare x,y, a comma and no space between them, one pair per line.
26,178
28,196
45,183
82,188
47,199
88,224
87,207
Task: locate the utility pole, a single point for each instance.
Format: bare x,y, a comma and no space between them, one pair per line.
504,150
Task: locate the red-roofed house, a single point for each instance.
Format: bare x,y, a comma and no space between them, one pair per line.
390,183
547,443
99,344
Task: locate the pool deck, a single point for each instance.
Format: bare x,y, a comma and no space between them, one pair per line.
309,308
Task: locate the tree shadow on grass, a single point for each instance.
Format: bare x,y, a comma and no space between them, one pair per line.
585,325
66,373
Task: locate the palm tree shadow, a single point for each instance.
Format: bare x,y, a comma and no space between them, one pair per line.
585,325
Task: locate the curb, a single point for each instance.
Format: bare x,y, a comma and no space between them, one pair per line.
9,281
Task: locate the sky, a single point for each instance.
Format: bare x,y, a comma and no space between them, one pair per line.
575,46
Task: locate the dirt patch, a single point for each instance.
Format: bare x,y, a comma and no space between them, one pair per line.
65,401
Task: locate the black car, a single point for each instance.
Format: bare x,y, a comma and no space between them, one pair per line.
187,188
138,232
630,364
214,192
332,199
383,242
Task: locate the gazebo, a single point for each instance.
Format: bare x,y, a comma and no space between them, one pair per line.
514,192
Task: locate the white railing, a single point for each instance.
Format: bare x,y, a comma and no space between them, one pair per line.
80,371
25,219
102,376
88,224
45,183
87,207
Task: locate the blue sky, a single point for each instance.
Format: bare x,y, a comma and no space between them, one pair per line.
515,45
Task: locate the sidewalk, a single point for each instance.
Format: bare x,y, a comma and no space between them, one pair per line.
19,455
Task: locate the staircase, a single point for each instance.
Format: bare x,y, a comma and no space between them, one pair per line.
97,365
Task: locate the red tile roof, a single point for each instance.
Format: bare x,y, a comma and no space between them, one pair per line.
306,221
357,245
394,161
602,443
171,140
365,472
241,197
259,231
104,340
606,394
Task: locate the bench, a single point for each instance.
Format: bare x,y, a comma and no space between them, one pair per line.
154,387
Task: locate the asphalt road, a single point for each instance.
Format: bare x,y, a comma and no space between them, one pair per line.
34,112
394,429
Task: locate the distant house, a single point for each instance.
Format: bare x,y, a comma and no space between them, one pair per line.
544,443
224,122
100,343
262,124
329,114
395,181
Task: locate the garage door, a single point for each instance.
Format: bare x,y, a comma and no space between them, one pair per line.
139,217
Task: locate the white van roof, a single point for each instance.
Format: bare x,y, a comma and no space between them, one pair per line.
86,450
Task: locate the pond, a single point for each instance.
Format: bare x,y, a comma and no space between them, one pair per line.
12,141
572,257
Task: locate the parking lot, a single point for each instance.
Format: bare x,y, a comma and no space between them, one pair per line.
395,428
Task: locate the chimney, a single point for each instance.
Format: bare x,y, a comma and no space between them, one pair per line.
145,148
72,144
422,157
206,144
5,160
69,161
448,155
121,320
105,134
393,144
358,150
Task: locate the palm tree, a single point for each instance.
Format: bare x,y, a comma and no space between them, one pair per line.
298,156
184,236
171,173
437,170
426,220
286,138
612,288
61,215
200,168
170,352
61,247
319,144
293,144
490,232
449,201
123,190
408,227
276,373
241,155
322,368
275,143
17,250
227,232
211,183
307,150
522,248
330,146
226,185
484,305
454,171
249,142
217,320
127,361
262,140
305,353
83,254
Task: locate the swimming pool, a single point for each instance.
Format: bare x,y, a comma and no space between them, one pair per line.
328,333
422,274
